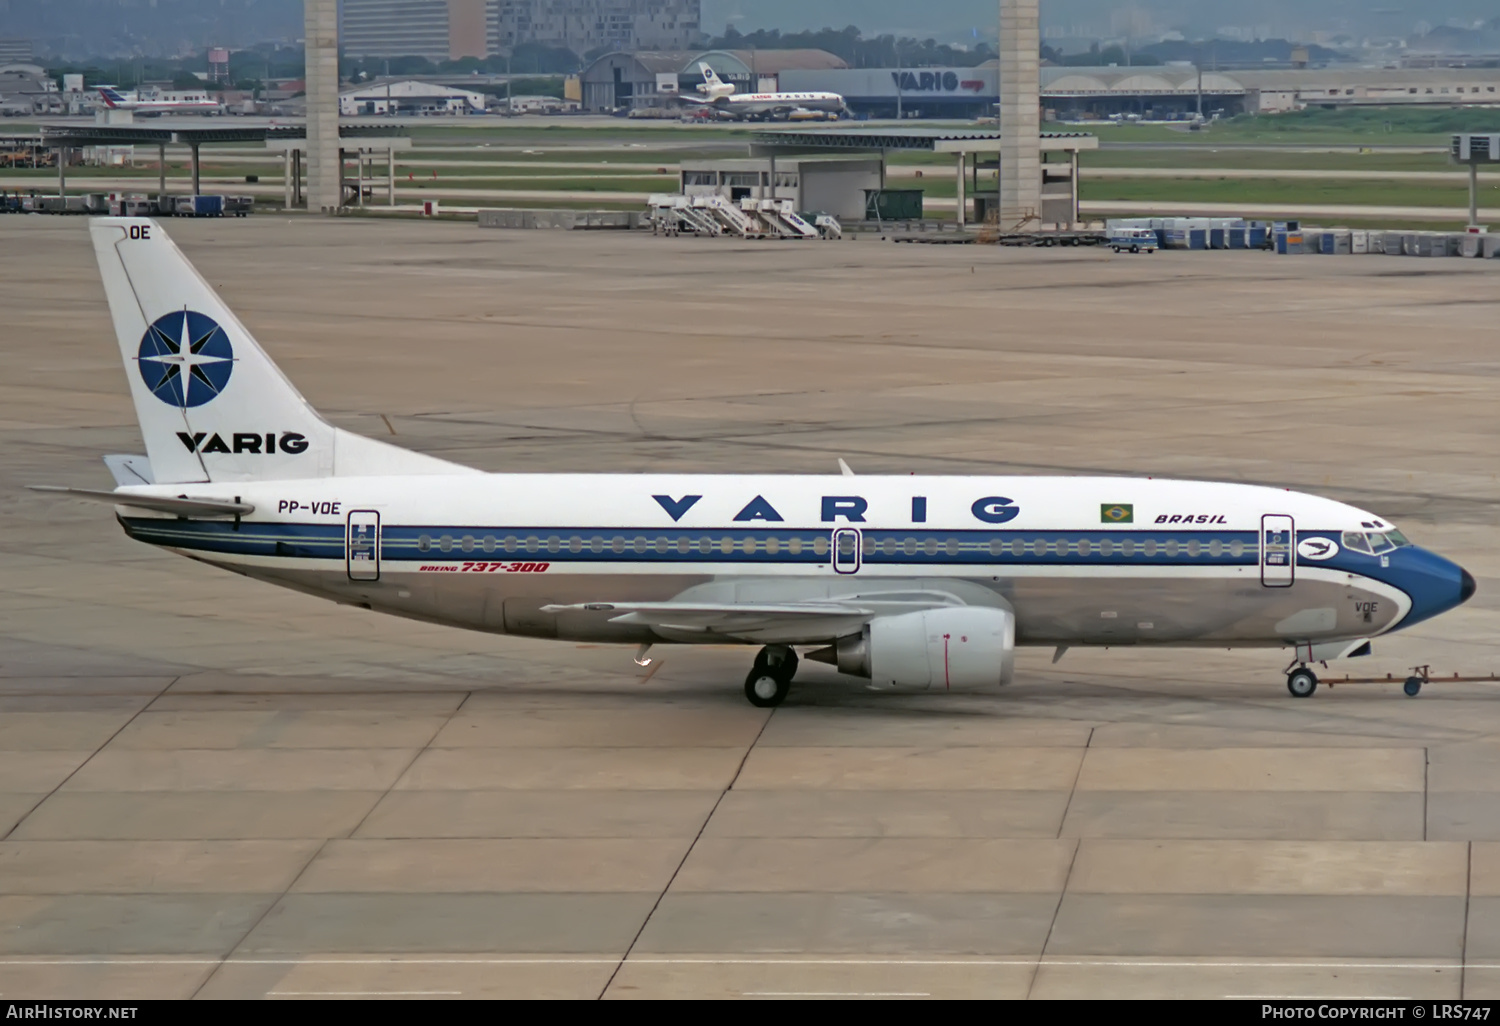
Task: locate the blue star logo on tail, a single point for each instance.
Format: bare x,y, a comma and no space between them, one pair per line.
185,359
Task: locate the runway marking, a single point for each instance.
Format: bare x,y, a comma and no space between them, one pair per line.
834,993
1124,963
362,993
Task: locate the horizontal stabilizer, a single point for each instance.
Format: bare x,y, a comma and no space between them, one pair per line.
178,505
130,470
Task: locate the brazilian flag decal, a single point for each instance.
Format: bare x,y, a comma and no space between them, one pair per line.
1117,513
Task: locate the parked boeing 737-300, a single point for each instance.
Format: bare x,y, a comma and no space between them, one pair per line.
922,583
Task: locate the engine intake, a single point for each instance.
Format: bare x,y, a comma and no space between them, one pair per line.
952,649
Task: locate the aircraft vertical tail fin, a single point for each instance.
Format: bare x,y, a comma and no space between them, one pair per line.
211,404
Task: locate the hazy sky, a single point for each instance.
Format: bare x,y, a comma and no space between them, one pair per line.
947,17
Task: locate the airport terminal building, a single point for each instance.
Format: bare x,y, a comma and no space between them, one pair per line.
1161,91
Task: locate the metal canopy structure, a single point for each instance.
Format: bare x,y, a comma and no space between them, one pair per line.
960,142
161,135
776,142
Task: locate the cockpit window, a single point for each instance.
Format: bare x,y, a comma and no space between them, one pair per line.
1375,543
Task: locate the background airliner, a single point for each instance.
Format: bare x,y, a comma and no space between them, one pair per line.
924,583
720,95
160,103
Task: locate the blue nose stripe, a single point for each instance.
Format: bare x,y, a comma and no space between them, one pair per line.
1434,584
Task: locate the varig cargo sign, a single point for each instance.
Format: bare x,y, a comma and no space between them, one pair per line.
936,81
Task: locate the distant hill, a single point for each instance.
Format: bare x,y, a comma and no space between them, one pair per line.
1235,53
1446,39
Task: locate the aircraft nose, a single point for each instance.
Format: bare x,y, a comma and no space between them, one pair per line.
1466,587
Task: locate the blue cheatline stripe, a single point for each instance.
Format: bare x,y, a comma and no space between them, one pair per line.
300,541
754,546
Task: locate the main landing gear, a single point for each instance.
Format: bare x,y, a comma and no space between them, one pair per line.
771,677
1302,682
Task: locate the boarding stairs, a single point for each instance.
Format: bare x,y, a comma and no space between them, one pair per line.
781,218
734,219
674,214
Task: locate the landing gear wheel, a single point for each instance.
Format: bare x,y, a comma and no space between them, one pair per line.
1302,682
771,677
764,690
1412,687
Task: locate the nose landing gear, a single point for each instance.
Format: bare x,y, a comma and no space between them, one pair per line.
771,677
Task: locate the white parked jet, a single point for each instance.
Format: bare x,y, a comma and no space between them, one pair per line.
161,103
925,583
721,95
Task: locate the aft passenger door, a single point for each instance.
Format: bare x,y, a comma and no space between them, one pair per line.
362,545
1278,541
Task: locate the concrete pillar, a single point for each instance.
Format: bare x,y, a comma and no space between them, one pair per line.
1077,217
1474,194
324,172
286,180
1020,115
161,169
197,172
390,177
62,171
963,181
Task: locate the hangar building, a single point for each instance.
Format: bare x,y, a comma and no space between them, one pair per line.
409,97
1157,91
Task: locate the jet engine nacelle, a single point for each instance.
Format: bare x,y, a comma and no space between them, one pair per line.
962,648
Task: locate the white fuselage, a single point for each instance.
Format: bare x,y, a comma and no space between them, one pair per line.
774,103
1081,561
198,104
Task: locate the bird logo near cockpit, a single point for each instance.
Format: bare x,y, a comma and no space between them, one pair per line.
1317,549
185,359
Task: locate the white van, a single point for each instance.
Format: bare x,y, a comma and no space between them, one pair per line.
1136,240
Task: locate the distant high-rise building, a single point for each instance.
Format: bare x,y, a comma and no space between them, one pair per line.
15,51
441,30
584,25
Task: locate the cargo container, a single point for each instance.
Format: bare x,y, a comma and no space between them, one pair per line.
1359,242
893,204
199,206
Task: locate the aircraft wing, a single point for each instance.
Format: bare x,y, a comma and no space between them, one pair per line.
179,505
790,623
793,622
